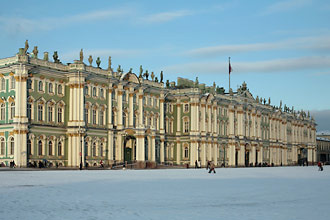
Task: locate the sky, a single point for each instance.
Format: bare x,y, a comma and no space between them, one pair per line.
281,49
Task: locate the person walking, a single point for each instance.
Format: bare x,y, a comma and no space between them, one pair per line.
208,164
319,164
212,168
196,164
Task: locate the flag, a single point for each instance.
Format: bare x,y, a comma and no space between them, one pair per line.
230,69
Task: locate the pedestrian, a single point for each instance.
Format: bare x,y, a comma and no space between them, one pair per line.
319,164
212,168
208,164
101,163
196,164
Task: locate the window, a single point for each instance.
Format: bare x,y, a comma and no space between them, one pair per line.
59,148
2,146
12,146
60,90
124,119
134,98
94,116
101,117
12,80
186,108
124,97
186,152
12,110
40,86
40,112
3,111
28,147
101,150
94,91
86,148
86,115
86,90
186,126
59,115
134,120
113,95
40,148
101,93
3,84
94,150
29,84
50,148
29,110
50,88
50,113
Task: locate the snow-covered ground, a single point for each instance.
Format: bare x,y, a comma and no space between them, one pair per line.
241,193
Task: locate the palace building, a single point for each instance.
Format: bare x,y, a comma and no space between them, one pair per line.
77,114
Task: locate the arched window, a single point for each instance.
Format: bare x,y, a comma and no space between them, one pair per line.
50,148
186,125
40,112
59,148
59,115
12,110
60,89
12,80
50,88
40,148
94,116
12,145
86,115
2,146
40,86
186,108
3,111
124,97
94,91
101,150
86,148
94,150
186,152
113,95
28,145
101,117
3,84
101,93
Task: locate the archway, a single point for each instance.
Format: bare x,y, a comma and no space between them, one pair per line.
129,149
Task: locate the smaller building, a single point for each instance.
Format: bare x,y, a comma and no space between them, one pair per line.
323,148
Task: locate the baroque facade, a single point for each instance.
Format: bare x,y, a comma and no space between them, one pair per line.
76,114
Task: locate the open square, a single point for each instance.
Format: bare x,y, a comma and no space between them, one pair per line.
231,193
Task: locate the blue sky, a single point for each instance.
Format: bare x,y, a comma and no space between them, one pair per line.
281,49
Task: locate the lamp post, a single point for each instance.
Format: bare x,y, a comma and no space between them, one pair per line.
80,137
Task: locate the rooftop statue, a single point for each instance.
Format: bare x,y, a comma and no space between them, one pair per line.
269,101
196,82
98,62
81,56
35,52
55,57
161,76
90,60
109,63
152,76
26,46
141,71
119,69
156,79
146,74
257,99
281,104
130,70
167,83
46,56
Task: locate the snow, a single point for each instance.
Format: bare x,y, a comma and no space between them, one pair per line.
231,193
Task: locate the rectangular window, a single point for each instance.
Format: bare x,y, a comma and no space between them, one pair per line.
29,111
40,112
101,117
94,116
59,115
50,113
186,126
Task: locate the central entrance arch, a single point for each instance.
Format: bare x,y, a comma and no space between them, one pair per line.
129,148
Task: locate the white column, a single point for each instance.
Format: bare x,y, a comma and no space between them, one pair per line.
131,109
178,152
162,151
